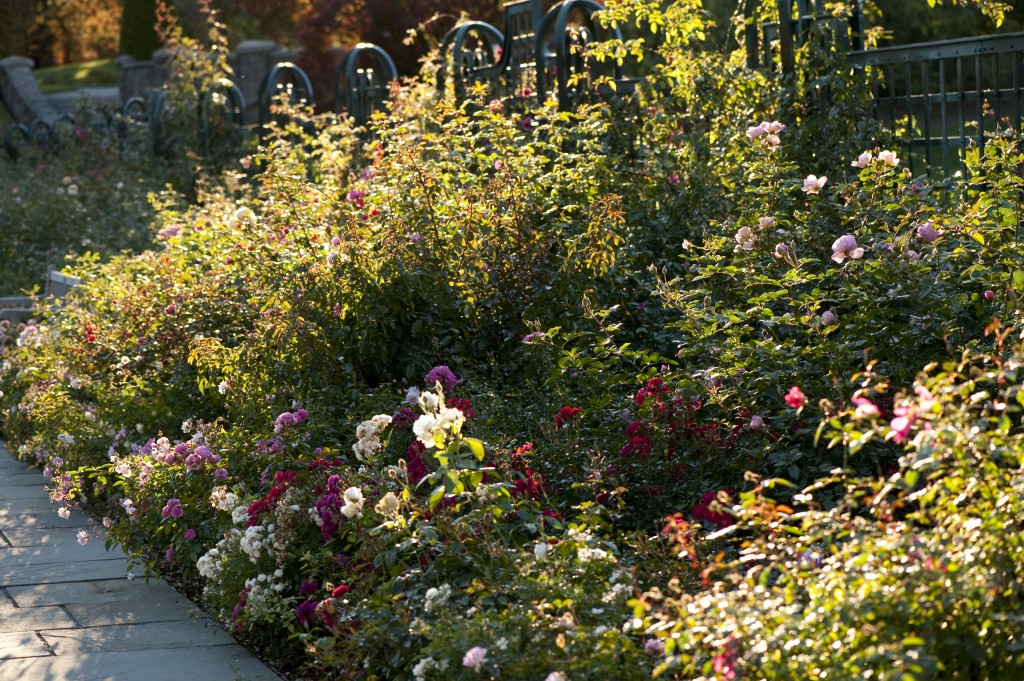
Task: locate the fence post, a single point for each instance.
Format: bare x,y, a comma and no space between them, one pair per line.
786,34
750,33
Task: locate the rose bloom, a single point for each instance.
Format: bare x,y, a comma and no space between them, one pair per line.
745,238
863,160
474,658
846,247
926,233
888,158
813,184
795,398
828,318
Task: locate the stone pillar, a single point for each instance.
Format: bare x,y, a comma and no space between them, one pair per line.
136,76
251,61
21,93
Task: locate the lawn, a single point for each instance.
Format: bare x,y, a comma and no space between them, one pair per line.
101,73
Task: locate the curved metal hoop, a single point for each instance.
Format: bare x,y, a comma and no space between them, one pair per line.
233,105
363,90
273,85
568,42
15,136
135,109
40,132
483,62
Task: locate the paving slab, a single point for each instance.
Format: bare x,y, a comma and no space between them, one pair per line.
95,592
24,491
68,612
41,519
202,664
28,478
65,553
29,620
128,637
62,572
21,644
54,536
134,612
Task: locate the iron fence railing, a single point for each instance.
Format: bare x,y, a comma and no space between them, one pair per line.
940,97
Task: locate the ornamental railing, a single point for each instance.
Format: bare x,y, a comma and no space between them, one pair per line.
942,97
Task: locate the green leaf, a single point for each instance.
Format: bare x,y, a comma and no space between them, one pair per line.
435,497
913,641
477,447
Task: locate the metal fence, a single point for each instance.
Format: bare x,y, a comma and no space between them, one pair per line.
938,97
941,97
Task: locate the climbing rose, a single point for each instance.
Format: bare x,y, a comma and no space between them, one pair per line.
745,238
564,415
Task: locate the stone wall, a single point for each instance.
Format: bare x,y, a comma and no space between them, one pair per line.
250,62
21,93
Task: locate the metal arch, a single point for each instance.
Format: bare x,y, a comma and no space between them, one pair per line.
482,63
40,132
365,90
235,106
236,100
559,15
10,144
272,85
159,98
62,121
135,109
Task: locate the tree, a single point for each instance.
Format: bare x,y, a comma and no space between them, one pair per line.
138,29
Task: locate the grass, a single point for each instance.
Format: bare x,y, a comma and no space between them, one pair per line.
101,73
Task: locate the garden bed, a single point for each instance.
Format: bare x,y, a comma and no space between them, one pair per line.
564,395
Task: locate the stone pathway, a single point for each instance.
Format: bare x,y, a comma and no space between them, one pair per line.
68,612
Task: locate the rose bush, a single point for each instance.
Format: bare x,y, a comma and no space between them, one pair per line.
487,399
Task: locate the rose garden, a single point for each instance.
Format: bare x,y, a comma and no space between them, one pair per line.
695,381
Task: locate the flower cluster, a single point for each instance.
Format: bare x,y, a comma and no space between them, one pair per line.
867,158
368,436
767,133
709,509
290,419
437,420
443,375
564,415
745,238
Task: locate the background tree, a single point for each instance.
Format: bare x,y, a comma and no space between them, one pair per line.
138,29
60,31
